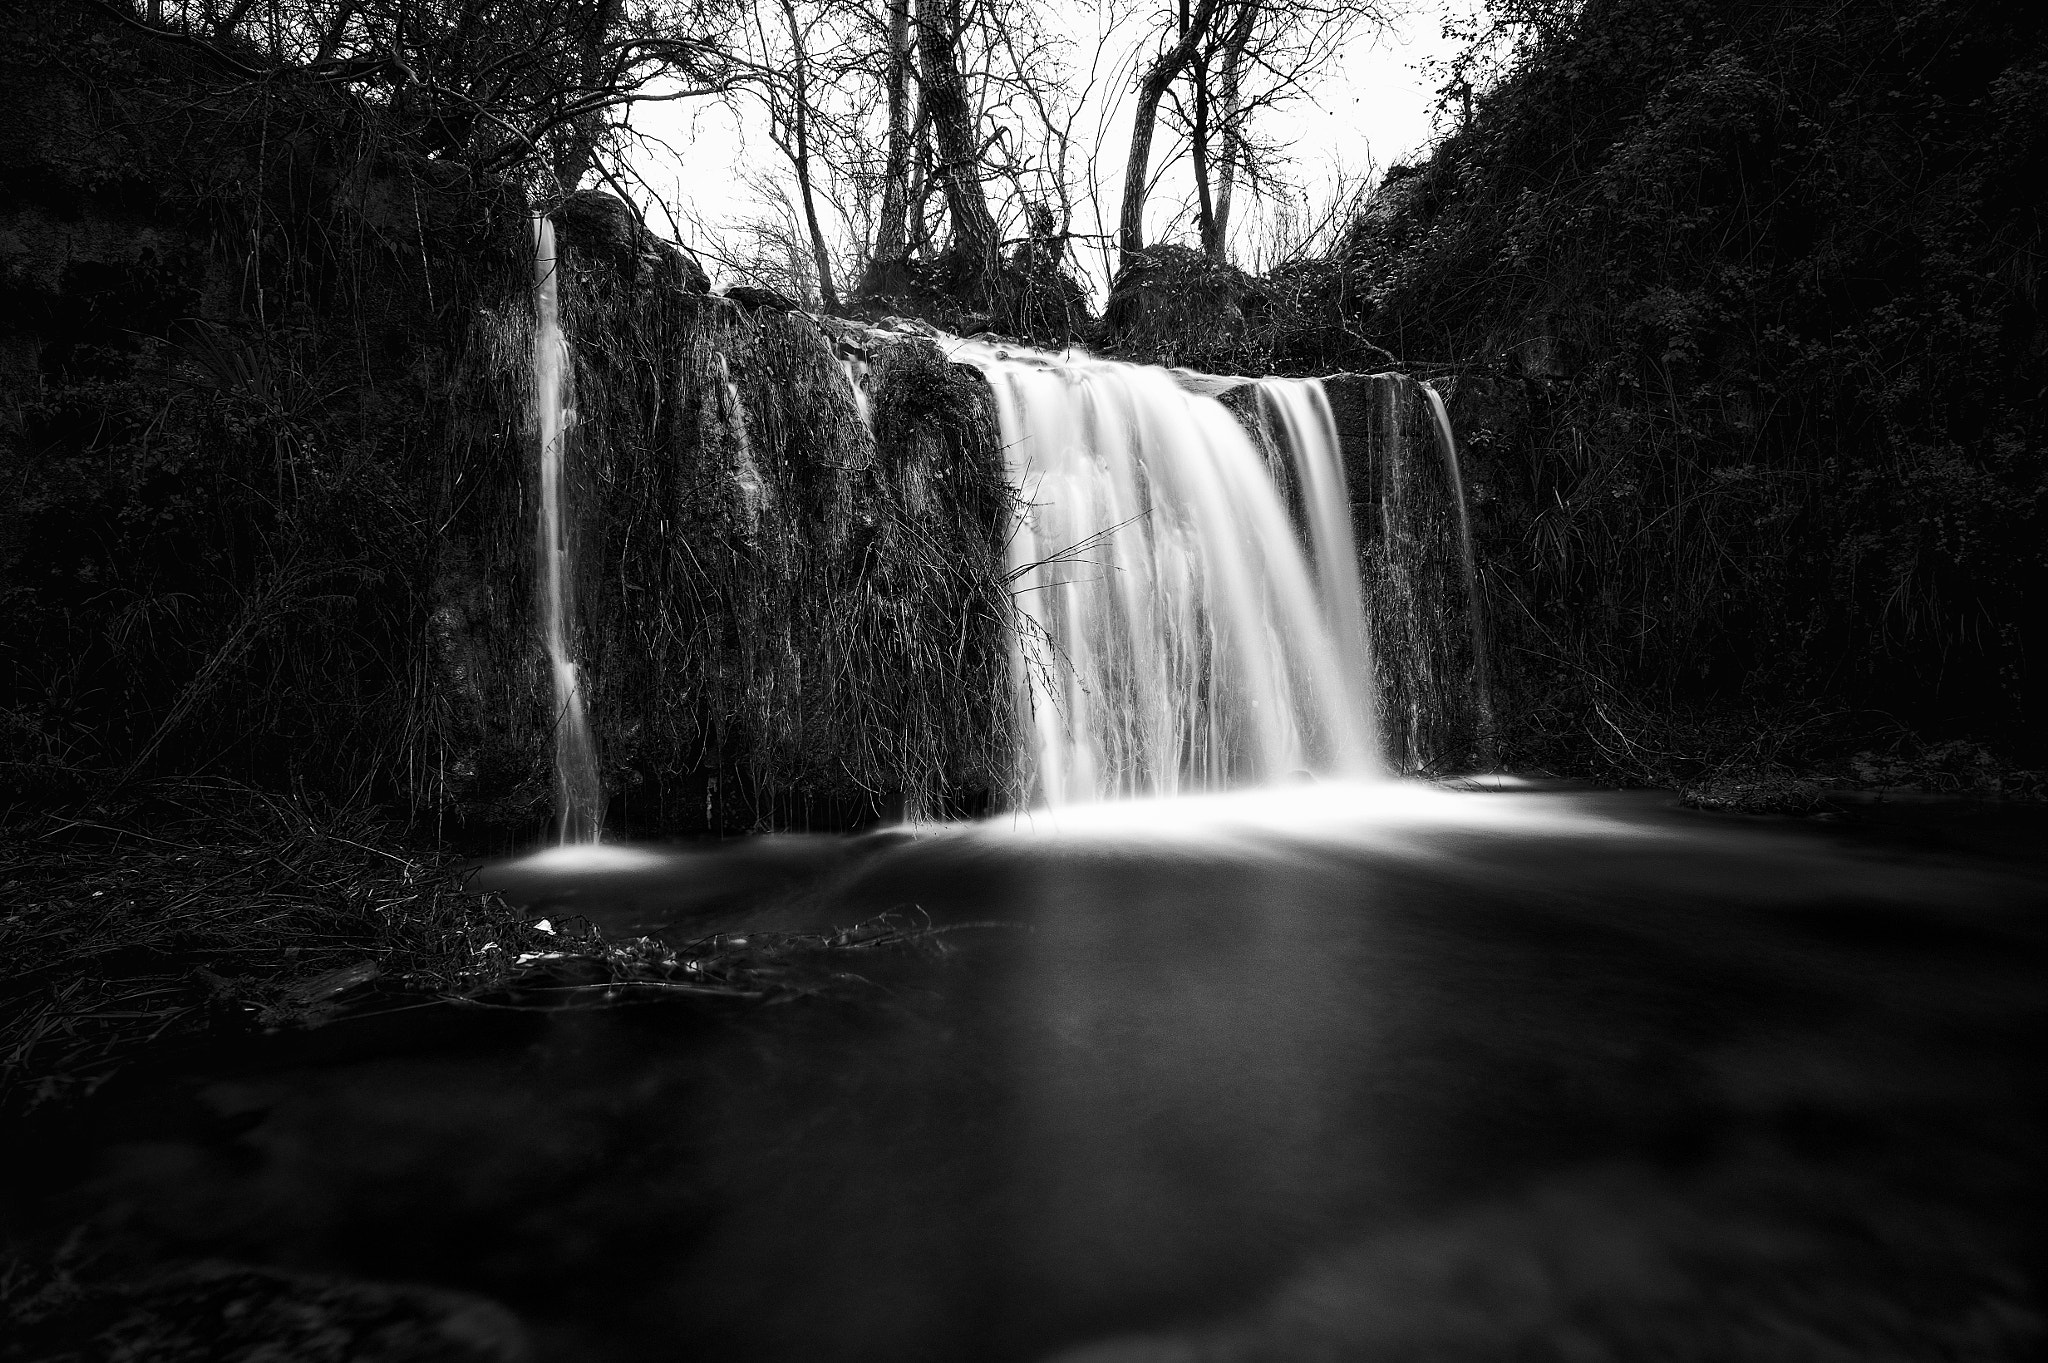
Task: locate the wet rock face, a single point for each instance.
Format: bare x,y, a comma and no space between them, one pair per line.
1418,605
774,623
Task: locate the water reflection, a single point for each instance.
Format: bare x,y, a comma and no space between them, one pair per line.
1334,1072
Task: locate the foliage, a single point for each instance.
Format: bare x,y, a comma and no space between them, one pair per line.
1742,307
534,85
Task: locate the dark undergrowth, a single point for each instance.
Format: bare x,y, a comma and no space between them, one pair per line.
192,905
241,330
1740,307
1750,759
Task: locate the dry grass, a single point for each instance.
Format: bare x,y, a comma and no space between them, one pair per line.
204,903
206,907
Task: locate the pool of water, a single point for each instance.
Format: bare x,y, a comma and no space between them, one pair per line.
1322,1073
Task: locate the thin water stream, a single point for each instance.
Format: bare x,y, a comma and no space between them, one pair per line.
579,795
1482,665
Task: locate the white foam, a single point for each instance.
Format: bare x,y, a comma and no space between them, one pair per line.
587,856
1370,813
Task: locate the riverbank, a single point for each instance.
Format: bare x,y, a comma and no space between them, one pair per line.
196,912
193,906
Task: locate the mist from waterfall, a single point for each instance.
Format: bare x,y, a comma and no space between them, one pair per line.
1172,633
579,797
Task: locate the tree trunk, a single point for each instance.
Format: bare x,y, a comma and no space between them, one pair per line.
1229,127
1198,152
1131,221
919,238
892,236
958,169
821,258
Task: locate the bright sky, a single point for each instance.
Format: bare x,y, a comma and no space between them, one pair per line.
1372,110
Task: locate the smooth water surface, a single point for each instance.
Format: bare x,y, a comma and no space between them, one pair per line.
1323,1073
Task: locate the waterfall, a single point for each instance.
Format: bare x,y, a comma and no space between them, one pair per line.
1212,589
1171,634
579,799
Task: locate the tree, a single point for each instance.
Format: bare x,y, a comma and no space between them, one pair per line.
1224,118
1192,31
791,115
1236,59
958,166
892,232
500,84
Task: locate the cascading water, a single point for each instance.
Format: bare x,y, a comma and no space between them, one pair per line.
746,473
855,368
1172,638
1296,418
579,798
1482,668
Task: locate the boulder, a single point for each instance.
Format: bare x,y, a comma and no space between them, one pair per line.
602,228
